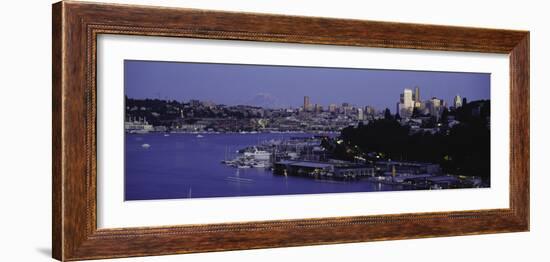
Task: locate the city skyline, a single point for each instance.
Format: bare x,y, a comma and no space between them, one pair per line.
216,127
286,86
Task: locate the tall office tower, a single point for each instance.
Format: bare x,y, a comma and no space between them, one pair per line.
332,108
307,105
408,98
416,96
346,108
434,106
457,101
360,115
406,103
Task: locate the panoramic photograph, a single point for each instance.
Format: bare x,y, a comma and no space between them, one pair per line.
200,130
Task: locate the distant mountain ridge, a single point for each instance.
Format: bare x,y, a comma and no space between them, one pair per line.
264,100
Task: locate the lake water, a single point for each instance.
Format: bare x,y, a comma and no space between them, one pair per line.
186,166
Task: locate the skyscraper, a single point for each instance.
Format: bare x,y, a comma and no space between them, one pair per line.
434,106
406,103
307,105
416,96
408,98
360,115
346,108
457,101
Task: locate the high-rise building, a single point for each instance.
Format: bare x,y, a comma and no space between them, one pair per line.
307,105
457,101
346,108
360,115
318,108
408,98
416,96
398,106
332,108
434,106
406,103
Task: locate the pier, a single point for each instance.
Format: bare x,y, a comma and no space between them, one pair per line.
339,170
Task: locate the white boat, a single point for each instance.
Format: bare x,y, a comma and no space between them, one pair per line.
259,165
258,154
200,136
146,146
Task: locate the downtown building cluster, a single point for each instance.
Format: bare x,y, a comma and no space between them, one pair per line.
151,115
410,104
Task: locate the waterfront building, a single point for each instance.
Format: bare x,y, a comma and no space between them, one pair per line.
188,128
337,170
161,129
138,125
407,168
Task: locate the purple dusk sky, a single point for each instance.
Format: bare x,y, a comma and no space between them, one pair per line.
285,86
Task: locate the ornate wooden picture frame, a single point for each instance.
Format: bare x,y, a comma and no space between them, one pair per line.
76,26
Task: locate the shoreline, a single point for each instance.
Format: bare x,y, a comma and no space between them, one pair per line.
232,132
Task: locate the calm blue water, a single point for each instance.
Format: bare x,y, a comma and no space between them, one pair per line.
182,166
